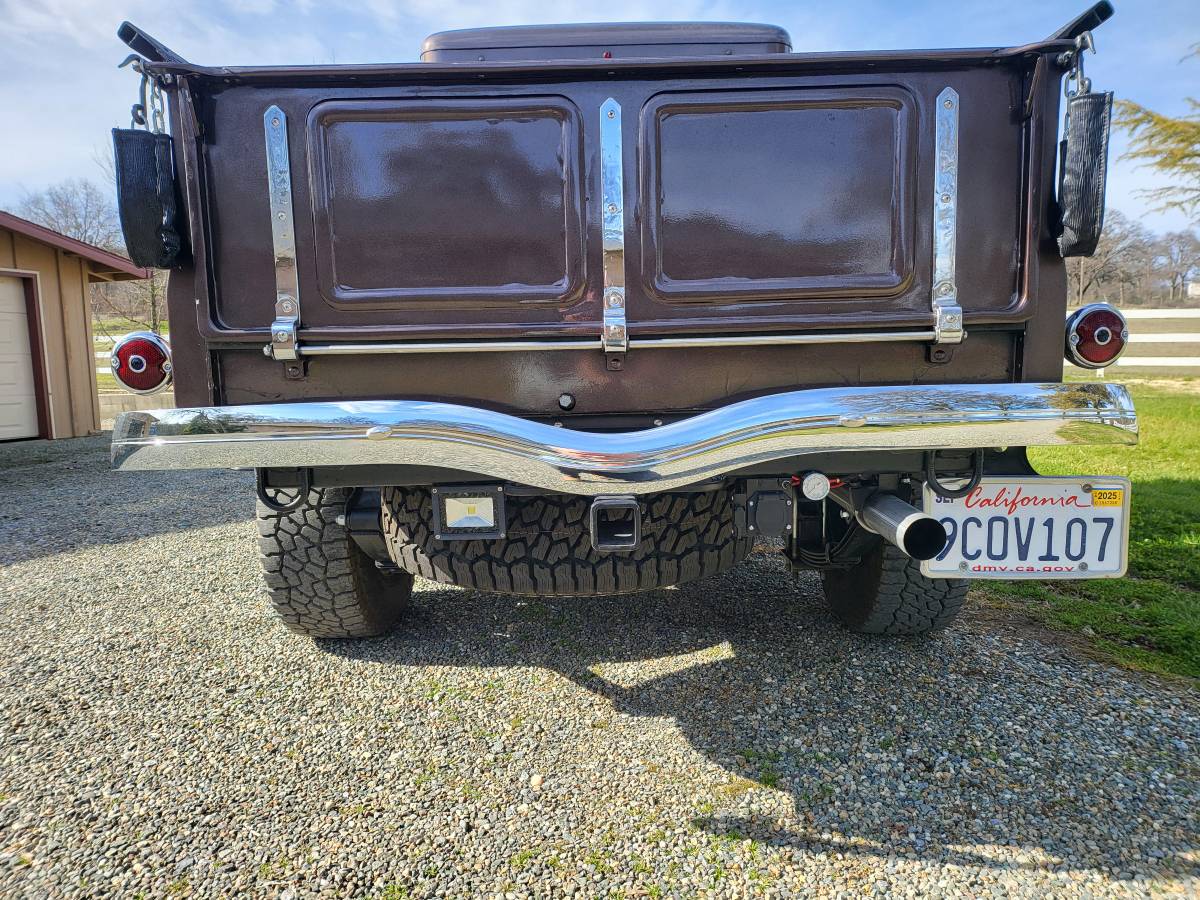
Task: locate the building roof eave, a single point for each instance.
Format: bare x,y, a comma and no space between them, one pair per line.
103,265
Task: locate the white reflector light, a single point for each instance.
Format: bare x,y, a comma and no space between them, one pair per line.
470,512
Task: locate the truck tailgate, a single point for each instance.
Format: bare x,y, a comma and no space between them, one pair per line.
776,201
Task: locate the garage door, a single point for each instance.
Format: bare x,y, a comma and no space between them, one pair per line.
18,399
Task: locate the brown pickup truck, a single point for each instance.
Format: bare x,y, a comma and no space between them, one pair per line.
589,309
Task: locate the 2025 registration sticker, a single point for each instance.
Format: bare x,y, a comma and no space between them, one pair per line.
1008,528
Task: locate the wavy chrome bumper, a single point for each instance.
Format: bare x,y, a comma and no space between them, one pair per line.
507,448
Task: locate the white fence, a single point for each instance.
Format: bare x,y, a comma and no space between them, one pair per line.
1166,341
1162,341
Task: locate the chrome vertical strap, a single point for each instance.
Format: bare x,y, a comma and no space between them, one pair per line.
948,315
283,238
615,336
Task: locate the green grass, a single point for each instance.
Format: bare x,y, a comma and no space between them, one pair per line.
1150,619
106,382
117,326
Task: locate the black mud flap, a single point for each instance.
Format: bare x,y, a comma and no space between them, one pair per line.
1083,169
146,197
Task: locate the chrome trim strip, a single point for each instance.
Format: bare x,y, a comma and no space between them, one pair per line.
508,448
614,334
947,314
646,343
772,340
283,238
499,346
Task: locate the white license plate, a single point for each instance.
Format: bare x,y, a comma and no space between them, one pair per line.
1034,528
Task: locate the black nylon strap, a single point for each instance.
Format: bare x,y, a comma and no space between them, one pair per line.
1083,169
145,173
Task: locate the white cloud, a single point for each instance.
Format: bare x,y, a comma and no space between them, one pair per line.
62,93
61,90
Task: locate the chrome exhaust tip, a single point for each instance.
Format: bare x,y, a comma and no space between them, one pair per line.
920,536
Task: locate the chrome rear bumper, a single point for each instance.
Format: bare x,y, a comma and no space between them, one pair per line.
503,447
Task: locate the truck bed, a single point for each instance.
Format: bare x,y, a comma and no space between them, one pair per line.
772,196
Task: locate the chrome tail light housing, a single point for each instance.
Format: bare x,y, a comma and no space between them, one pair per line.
141,362
1096,336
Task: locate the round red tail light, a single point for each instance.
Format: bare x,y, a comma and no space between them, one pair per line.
141,362
1096,336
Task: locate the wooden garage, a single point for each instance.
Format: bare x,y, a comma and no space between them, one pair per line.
47,363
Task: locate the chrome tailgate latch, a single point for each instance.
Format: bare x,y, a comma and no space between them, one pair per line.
947,313
284,329
614,336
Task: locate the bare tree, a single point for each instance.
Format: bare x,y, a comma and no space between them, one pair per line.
142,303
102,156
1113,266
1178,262
77,208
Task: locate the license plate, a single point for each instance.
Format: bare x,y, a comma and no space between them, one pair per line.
1034,528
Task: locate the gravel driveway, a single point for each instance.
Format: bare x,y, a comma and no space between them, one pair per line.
159,733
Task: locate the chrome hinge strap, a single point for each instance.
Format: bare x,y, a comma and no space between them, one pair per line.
947,313
283,238
614,336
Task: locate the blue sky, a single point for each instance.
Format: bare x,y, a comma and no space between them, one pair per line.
61,93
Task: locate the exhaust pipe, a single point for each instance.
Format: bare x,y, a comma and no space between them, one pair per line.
920,536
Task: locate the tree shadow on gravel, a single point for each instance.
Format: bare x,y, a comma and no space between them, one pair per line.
58,496
963,748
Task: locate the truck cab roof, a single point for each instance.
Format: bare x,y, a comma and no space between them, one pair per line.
619,40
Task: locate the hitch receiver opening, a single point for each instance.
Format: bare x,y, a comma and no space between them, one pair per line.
616,524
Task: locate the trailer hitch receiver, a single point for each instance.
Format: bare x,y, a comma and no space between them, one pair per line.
616,524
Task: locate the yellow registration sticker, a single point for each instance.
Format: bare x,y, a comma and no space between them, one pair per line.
1108,497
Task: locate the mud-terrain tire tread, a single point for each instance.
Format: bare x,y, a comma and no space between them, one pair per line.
319,582
887,594
547,549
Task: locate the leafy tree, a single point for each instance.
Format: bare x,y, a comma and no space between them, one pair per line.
1170,146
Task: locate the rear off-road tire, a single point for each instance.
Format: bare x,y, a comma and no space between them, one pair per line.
547,547
319,581
887,594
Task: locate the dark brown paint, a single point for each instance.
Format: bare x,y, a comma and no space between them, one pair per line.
651,381
486,224
829,277
777,194
419,203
